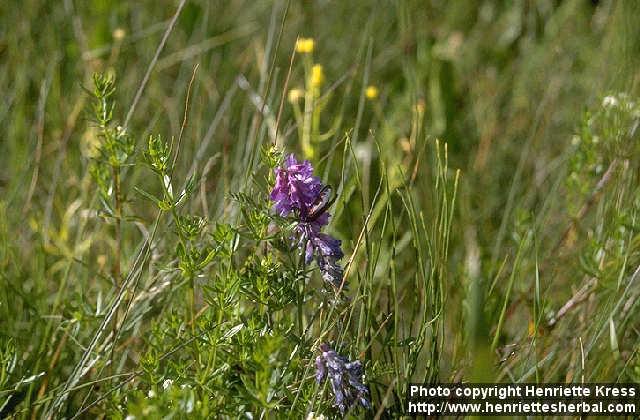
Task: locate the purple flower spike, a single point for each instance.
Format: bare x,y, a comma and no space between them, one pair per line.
300,193
345,378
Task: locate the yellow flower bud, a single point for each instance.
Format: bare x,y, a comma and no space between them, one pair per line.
317,75
295,94
304,45
119,34
371,92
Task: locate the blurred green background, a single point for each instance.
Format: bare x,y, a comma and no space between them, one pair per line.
507,85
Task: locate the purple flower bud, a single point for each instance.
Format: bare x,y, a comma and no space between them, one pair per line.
296,188
331,271
327,245
321,371
345,378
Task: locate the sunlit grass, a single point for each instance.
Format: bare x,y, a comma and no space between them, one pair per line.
484,162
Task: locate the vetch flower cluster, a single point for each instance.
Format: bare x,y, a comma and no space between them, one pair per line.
299,193
345,378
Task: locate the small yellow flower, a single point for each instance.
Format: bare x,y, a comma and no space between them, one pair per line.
295,94
119,34
371,92
101,260
304,45
317,75
405,144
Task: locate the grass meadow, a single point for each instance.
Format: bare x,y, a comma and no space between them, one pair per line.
480,162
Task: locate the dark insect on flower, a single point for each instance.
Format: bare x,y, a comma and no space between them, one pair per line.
345,378
322,204
297,191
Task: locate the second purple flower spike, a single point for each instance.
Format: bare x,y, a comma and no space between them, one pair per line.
345,378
